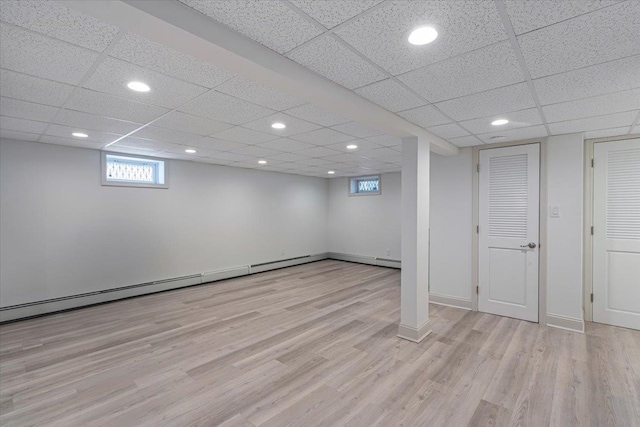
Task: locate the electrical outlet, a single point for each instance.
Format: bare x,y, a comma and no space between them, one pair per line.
388,252
554,211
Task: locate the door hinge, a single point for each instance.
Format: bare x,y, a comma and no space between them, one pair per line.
477,289
477,229
592,230
591,297
592,162
478,167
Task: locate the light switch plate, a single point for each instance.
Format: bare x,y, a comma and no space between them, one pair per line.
554,211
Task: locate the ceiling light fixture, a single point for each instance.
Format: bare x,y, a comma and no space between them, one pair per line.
331,172
500,122
352,147
278,125
498,137
262,162
422,35
190,151
138,86
80,135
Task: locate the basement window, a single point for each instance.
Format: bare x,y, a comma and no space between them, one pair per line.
133,171
364,185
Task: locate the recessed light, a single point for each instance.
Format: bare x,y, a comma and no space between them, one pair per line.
190,151
262,162
422,35
278,125
352,147
500,122
331,172
138,86
80,135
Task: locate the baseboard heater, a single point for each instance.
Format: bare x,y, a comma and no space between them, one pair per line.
54,305
361,259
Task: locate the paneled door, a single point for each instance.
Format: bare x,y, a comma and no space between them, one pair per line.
616,234
509,203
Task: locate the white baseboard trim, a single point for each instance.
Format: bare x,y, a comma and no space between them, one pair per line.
39,308
450,301
362,259
412,334
563,322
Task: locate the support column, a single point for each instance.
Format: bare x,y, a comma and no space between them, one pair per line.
414,301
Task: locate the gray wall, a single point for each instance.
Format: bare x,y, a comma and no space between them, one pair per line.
62,233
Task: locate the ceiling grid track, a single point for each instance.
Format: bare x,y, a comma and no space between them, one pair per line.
502,10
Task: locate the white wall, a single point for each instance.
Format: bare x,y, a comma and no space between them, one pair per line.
565,186
370,225
62,233
365,225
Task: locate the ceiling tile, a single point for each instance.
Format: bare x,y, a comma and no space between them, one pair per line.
255,151
26,110
323,136
286,157
594,123
495,101
636,129
225,108
425,116
191,124
341,158
271,23
21,125
94,136
92,122
379,153
450,130
600,79
235,157
332,59
309,161
597,37
200,152
146,53
596,106
41,56
487,68
390,95
356,129
19,136
57,21
286,144
71,142
102,104
386,140
517,119
526,16
214,161
362,144
317,152
258,94
142,144
28,88
132,150
465,141
294,125
315,114
243,135
381,35
112,76
326,12
514,134
604,133
166,135
217,144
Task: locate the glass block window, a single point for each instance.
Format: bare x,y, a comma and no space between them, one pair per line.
133,171
364,185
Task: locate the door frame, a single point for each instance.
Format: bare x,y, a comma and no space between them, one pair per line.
587,250
542,232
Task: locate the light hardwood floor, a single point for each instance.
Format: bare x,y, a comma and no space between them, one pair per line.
313,345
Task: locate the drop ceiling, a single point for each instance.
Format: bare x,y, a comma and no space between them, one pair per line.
548,67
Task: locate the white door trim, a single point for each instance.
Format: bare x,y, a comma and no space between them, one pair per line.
542,263
587,253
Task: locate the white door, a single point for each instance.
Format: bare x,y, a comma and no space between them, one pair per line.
509,203
616,236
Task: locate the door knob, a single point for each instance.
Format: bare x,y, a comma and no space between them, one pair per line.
530,246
